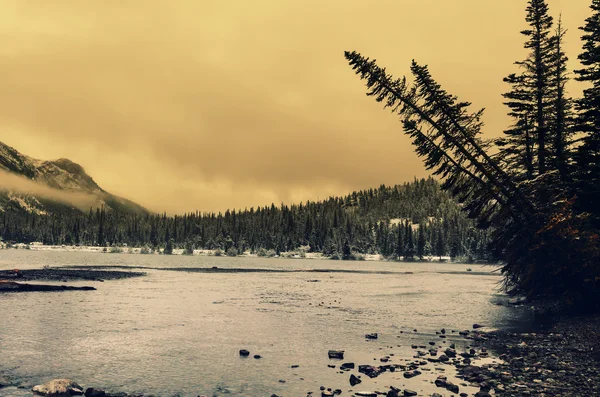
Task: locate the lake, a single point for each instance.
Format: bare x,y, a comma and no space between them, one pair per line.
179,332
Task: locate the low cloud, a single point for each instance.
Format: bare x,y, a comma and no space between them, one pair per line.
20,185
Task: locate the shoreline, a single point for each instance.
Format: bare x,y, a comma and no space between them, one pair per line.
561,361
297,254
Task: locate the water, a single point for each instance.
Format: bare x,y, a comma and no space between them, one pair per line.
179,332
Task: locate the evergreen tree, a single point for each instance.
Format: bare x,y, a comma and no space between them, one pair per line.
524,148
400,241
421,242
588,123
410,243
168,247
346,251
560,125
440,249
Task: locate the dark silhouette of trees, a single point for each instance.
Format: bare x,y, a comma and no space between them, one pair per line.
587,156
542,230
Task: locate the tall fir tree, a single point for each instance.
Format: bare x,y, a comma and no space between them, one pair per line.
524,148
560,125
587,156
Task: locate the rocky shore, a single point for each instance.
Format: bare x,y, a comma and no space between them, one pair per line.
563,360
65,275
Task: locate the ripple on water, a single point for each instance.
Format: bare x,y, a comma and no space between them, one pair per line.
180,332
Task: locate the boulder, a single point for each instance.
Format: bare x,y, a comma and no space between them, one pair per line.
409,393
337,354
394,392
244,353
347,366
91,392
372,335
58,388
451,387
354,380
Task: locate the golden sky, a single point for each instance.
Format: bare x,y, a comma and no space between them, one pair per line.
213,104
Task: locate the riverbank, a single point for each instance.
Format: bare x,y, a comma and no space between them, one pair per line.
561,361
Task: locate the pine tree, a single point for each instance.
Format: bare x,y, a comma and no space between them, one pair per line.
560,125
587,155
410,243
400,241
524,148
421,242
440,249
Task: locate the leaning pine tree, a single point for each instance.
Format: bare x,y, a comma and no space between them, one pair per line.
535,231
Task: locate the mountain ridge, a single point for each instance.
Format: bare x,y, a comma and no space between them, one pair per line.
62,186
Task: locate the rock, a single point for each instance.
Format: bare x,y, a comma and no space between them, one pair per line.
347,366
451,387
450,352
366,393
354,380
371,336
370,371
444,358
436,395
411,374
91,392
393,392
327,393
58,388
257,356
409,393
482,394
244,353
440,382
337,354
295,366
476,326
443,331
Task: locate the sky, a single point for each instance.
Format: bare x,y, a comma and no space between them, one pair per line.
210,104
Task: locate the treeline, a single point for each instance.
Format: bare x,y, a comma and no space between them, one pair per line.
538,186
409,221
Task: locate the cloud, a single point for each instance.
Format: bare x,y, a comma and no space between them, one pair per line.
21,185
186,105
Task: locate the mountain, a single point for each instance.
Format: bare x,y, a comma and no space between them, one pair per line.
50,187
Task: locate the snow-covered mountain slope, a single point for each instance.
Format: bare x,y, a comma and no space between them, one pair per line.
44,187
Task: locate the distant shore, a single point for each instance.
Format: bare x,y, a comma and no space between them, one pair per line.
297,254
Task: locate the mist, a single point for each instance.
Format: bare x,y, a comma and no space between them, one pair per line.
20,185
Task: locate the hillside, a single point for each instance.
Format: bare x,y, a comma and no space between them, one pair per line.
406,221
28,185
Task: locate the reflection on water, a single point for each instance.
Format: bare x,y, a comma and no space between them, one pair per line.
180,331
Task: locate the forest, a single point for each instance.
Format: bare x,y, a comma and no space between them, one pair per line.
536,188
406,222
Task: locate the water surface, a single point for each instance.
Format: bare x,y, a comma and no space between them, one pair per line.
179,332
